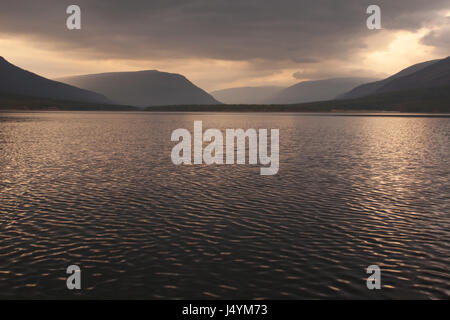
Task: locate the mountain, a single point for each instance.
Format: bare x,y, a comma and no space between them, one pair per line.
374,87
246,95
434,75
143,88
16,81
318,90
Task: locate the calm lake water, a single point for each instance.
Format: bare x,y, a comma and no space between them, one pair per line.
99,190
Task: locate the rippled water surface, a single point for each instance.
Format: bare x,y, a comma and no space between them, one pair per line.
99,190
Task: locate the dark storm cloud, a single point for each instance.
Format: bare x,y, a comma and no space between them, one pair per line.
440,38
298,31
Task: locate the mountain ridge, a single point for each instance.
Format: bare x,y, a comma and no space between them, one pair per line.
433,75
246,95
373,87
316,90
143,88
15,80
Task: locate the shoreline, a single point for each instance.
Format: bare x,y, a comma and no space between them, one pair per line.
336,113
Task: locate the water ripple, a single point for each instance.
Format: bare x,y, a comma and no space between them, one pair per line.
99,190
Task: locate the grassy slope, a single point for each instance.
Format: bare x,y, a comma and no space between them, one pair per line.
26,103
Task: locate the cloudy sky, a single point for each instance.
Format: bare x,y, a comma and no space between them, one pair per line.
226,43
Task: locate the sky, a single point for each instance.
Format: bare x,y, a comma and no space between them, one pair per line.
226,43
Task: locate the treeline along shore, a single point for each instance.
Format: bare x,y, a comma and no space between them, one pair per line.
429,100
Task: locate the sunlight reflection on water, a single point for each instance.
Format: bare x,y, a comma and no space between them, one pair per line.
100,190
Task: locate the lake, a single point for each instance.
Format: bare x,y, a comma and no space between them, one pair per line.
99,190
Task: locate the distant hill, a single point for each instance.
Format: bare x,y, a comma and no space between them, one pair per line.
387,84
143,88
246,95
16,81
319,90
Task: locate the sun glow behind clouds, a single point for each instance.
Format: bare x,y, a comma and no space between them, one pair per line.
404,50
25,55
209,74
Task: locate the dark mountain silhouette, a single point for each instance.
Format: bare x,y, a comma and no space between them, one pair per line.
374,87
318,90
246,95
16,81
143,88
434,75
